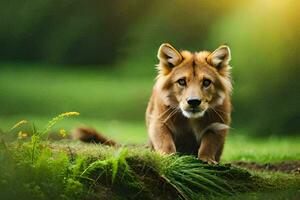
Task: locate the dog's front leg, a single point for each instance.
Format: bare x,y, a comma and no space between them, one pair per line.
211,147
161,138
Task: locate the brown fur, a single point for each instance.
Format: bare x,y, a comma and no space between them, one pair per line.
173,125
92,136
169,130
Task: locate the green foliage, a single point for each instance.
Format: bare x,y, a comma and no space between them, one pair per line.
37,169
93,169
114,172
69,31
33,171
192,178
67,170
46,178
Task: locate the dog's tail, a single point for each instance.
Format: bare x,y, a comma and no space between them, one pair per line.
92,136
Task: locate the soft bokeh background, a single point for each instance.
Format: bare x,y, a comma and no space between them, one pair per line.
97,57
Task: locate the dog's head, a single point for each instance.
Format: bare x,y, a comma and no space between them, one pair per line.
193,82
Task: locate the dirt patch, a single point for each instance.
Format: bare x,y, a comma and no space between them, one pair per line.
292,167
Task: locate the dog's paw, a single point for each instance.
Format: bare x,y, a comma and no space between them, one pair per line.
208,160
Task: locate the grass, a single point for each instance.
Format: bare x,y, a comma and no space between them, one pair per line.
68,170
78,171
98,94
262,150
35,168
238,147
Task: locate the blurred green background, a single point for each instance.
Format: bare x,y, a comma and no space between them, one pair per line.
98,58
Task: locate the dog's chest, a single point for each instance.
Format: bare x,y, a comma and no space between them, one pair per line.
186,135
181,127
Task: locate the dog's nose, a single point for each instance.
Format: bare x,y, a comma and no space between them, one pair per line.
194,102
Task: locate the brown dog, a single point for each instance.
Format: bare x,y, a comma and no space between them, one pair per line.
189,110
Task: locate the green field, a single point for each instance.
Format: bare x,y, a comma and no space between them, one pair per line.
113,102
238,147
36,90
107,100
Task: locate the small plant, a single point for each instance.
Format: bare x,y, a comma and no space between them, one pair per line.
30,169
192,178
55,120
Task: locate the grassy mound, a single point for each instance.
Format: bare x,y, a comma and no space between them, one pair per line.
33,167
79,171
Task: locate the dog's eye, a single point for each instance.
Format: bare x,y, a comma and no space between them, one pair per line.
181,82
206,82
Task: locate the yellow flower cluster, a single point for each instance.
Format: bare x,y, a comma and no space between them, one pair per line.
22,135
63,133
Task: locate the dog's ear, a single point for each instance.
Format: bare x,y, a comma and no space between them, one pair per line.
168,57
220,57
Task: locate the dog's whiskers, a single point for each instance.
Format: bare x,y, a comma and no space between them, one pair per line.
221,111
172,113
162,114
218,114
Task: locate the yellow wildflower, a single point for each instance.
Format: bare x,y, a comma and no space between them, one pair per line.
22,135
63,133
20,123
